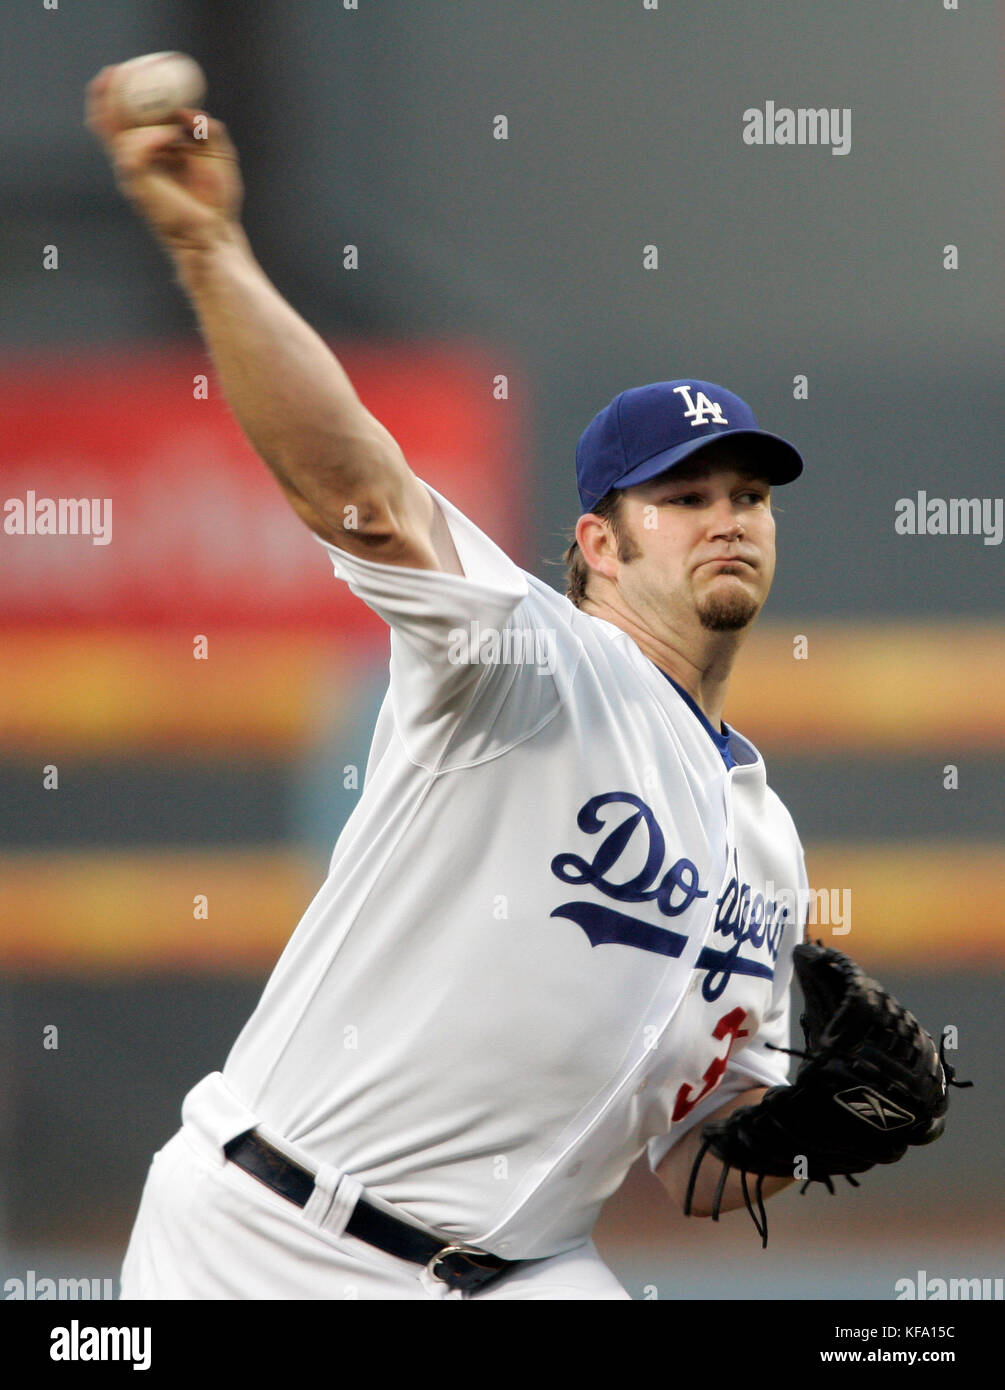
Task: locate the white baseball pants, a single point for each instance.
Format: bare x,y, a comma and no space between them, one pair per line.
208,1230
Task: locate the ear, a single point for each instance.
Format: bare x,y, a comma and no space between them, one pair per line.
597,544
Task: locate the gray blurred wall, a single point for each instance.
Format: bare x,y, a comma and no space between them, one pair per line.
374,127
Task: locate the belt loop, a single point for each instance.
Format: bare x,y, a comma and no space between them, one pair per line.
333,1200
347,1194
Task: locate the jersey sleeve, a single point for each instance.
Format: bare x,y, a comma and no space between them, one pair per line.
449,701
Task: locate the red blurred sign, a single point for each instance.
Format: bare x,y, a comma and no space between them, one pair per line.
183,524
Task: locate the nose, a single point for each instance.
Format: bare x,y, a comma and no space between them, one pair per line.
726,524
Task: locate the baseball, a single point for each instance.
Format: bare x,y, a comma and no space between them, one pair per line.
150,89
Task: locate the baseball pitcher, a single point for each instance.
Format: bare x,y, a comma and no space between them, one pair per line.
560,926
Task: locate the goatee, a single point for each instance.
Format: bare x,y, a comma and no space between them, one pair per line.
727,612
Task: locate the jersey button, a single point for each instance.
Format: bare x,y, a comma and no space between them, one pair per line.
505,1244
574,1170
641,1086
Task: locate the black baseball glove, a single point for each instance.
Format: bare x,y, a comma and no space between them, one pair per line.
871,1083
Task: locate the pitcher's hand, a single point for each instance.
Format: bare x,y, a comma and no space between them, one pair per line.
184,178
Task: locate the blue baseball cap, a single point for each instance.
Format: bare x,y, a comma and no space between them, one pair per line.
648,429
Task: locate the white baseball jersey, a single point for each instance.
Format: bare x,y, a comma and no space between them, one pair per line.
555,928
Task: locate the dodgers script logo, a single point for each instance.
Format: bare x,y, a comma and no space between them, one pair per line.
740,915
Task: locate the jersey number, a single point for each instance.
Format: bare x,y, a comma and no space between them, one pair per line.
729,1026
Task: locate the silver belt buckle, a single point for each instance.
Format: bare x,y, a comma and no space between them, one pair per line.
471,1250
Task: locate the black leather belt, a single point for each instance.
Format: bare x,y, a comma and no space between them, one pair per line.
459,1266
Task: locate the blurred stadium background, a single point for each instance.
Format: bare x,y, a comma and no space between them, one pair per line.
478,258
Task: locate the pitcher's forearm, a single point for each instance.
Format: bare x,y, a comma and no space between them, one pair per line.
286,388
675,1170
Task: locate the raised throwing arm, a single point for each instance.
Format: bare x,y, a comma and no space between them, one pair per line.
340,469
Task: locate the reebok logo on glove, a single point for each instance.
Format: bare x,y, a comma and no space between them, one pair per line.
874,1109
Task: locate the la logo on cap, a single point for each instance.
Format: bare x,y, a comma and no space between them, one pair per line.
703,411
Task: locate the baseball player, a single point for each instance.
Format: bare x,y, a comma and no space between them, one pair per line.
558,929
